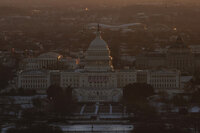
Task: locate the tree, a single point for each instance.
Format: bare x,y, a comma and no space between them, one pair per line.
179,100
6,75
37,102
195,97
21,92
135,98
157,128
196,79
61,99
149,128
53,92
137,92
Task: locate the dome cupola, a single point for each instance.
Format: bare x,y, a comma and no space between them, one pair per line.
98,43
98,55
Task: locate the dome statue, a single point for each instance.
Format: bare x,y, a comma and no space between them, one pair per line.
98,43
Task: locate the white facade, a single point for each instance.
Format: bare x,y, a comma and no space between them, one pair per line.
43,61
92,86
34,79
125,77
164,79
49,60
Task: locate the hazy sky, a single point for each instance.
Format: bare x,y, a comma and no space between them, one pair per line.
90,2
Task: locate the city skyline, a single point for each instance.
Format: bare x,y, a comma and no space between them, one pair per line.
99,66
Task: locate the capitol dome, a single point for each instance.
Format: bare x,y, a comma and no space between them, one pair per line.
50,55
179,47
98,55
179,44
98,44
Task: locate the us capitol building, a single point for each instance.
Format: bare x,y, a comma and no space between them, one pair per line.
98,80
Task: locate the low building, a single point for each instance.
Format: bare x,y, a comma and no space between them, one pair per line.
164,79
178,56
34,79
48,60
142,76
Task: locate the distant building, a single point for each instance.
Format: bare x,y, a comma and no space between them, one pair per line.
142,76
195,48
160,78
48,60
164,79
178,56
55,77
34,79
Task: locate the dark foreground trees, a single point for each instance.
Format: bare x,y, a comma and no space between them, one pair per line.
137,93
6,74
60,99
158,128
135,98
36,129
